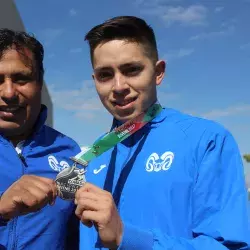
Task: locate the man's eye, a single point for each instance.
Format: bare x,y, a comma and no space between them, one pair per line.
104,76
1,79
132,71
21,79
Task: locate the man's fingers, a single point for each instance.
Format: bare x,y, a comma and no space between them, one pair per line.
93,193
86,204
83,194
26,202
28,194
88,187
41,191
37,196
48,186
43,179
93,216
89,213
87,223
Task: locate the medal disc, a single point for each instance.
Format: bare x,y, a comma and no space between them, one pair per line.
68,181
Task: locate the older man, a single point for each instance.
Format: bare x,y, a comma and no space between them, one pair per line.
31,154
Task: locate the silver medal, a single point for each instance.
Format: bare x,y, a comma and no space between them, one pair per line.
68,181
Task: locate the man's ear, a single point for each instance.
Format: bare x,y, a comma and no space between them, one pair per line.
160,68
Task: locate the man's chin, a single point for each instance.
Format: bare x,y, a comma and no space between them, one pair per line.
126,117
14,130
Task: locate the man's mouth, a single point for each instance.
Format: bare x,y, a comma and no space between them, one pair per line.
123,103
10,109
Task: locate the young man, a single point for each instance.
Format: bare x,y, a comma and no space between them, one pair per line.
31,154
178,182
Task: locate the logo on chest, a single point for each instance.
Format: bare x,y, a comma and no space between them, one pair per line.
158,163
98,170
56,165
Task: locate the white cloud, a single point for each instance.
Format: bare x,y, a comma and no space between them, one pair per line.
138,2
230,111
150,3
75,50
208,35
72,12
83,102
219,9
49,35
192,15
229,23
245,46
195,14
177,54
226,28
165,98
85,115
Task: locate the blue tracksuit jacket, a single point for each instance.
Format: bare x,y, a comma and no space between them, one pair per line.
46,153
178,184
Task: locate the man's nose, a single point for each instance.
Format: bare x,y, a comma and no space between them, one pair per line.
8,91
120,84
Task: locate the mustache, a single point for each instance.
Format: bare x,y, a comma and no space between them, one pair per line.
11,106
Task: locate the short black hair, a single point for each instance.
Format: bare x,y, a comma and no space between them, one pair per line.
129,28
19,41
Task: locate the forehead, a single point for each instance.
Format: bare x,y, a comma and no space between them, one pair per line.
118,52
11,60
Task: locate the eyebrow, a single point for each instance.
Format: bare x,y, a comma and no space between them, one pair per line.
102,68
125,65
22,72
131,64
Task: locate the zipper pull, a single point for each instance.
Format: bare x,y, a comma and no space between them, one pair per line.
21,157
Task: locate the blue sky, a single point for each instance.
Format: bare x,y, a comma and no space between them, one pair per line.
206,45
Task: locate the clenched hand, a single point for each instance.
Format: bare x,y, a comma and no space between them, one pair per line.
95,205
29,194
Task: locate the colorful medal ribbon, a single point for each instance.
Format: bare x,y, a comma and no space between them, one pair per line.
117,135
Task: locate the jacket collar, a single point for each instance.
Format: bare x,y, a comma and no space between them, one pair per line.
41,119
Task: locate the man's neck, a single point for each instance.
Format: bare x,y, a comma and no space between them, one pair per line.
15,140
18,138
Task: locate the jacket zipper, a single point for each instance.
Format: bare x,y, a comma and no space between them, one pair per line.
13,240
124,164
